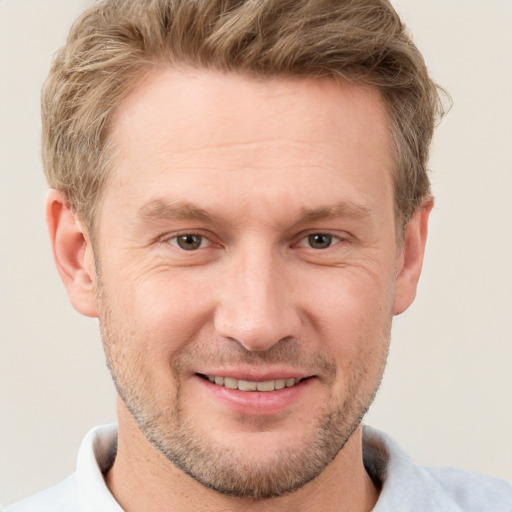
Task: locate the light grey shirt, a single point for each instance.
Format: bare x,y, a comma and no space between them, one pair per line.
405,487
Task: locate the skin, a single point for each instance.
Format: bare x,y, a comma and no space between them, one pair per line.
254,169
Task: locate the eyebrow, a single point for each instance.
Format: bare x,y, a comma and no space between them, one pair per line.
159,209
347,209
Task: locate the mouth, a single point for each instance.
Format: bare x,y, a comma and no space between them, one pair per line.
248,385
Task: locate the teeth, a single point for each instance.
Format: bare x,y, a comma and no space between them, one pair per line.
279,384
289,383
230,383
247,385
268,385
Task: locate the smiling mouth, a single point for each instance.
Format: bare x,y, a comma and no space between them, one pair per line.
247,385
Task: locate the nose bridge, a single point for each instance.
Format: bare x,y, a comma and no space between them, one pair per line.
257,305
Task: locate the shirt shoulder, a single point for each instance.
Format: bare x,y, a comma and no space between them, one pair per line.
85,490
407,487
473,492
62,497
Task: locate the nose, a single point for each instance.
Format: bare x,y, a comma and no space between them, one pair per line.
257,305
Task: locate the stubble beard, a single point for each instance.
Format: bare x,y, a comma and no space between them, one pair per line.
230,472
167,427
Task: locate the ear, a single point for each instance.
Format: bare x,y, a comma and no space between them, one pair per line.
73,253
410,258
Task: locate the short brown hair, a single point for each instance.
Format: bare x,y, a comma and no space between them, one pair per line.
116,42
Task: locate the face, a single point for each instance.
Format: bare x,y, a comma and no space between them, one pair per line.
246,272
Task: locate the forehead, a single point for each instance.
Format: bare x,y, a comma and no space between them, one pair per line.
233,135
246,108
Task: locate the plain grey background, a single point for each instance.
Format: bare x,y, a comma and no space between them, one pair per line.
447,393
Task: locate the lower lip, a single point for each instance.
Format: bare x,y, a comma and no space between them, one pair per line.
258,403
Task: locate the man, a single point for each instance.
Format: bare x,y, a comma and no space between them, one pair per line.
239,194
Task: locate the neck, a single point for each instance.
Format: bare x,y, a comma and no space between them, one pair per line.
141,478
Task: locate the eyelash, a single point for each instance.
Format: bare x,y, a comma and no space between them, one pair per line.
175,238
331,240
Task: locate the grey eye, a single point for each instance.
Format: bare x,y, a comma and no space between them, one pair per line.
189,242
320,241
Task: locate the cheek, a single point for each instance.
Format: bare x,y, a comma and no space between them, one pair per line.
352,315
351,297
161,312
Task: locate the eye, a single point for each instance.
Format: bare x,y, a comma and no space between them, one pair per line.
318,241
189,241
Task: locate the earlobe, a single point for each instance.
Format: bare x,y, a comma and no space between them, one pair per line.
72,252
410,260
